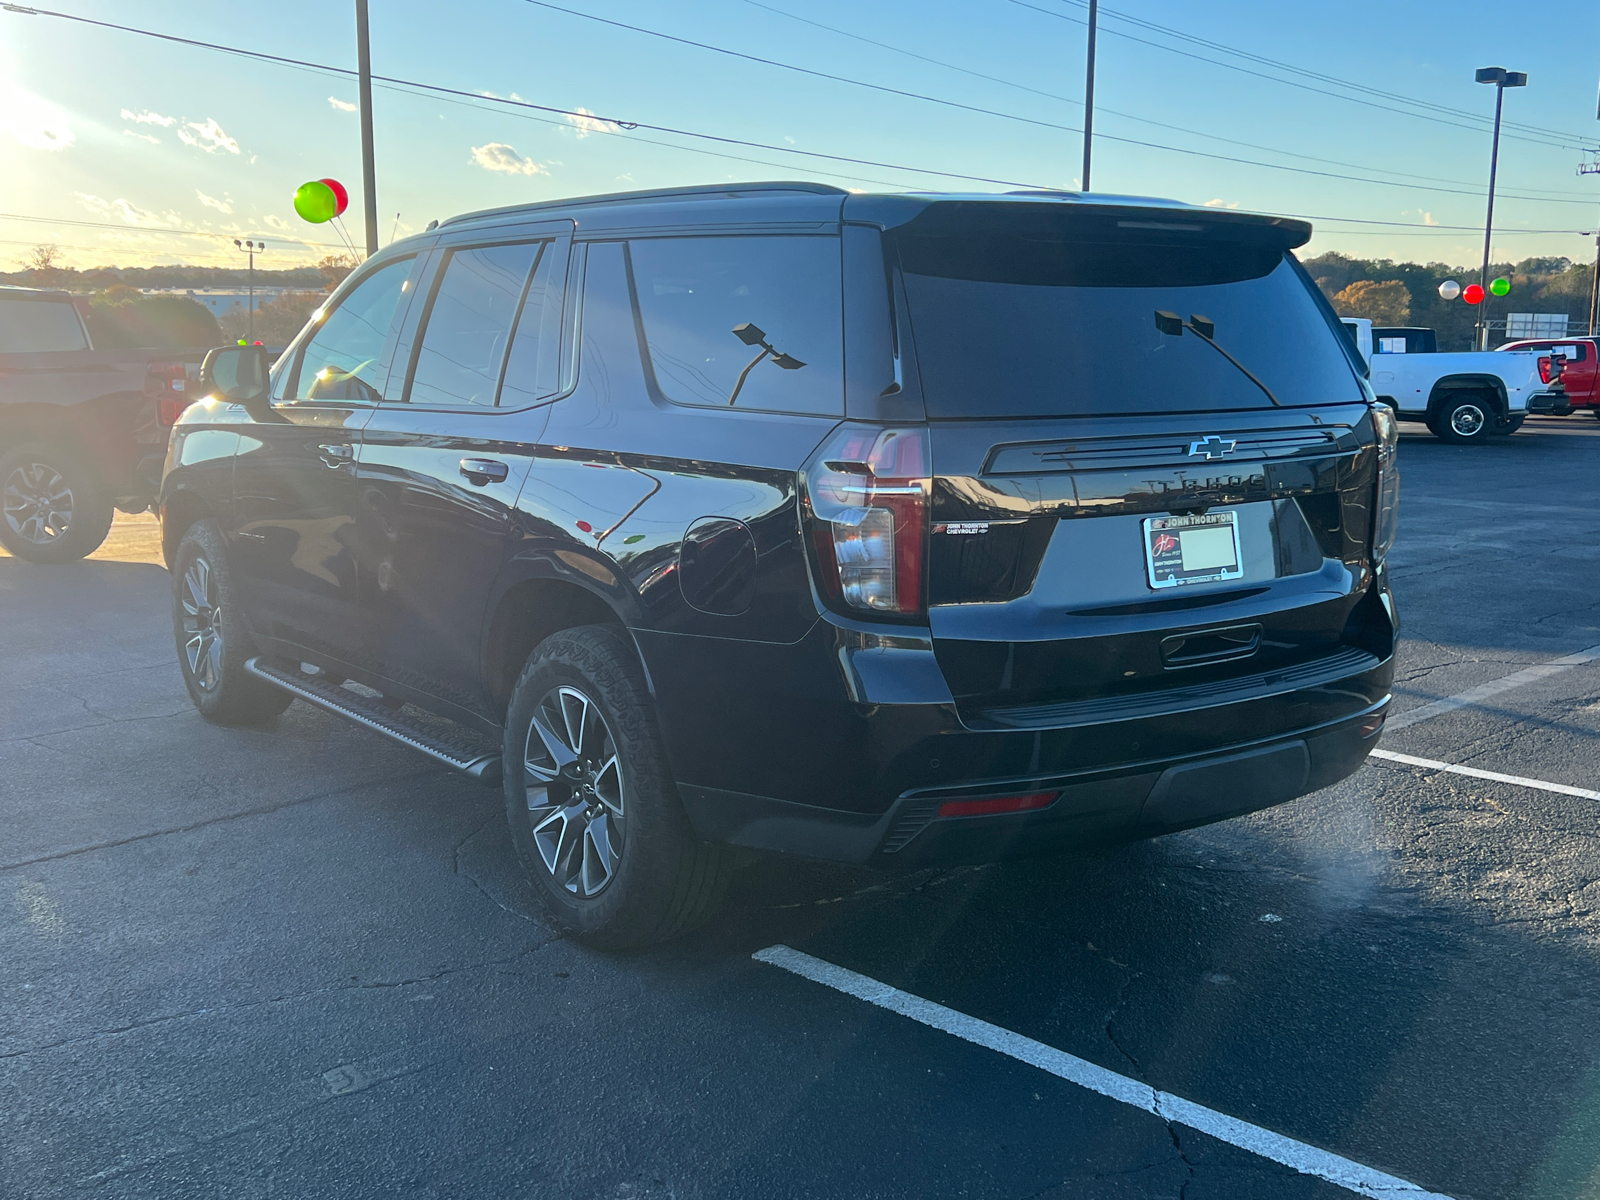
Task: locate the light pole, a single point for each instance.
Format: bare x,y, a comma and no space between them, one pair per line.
1502,79
1088,95
369,172
252,249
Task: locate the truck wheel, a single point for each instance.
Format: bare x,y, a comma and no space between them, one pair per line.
53,509
1465,420
593,808
212,641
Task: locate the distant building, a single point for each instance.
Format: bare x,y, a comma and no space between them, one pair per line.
222,301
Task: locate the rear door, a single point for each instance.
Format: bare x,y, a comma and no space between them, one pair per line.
442,460
1580,374
293,534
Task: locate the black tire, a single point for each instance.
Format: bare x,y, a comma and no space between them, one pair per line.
605,841
52,508
213,643
1465,419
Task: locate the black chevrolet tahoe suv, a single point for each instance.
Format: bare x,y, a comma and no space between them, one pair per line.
885,529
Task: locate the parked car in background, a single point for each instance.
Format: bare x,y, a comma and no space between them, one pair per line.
1463,397
879,529
82,431
1573,382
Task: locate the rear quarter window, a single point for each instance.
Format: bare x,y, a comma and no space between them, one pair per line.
693,292
39,326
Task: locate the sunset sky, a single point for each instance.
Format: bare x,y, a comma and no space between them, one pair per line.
125,149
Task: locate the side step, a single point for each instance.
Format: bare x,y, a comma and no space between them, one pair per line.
466,751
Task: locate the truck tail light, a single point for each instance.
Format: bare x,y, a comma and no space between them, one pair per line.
168,383
1551,368
1386,512
866,494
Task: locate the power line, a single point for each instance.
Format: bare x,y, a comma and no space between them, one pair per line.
1034,121
1319,75
1475,128
169,230
1011,83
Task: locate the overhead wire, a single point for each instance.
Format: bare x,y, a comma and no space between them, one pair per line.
1036,121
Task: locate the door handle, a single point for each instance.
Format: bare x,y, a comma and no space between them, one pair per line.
483,470
337,454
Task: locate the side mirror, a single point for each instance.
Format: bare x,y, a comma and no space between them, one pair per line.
238,374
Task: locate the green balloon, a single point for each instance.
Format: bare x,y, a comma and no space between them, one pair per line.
315,202
1501,286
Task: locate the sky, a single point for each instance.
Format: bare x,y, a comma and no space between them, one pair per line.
1362,115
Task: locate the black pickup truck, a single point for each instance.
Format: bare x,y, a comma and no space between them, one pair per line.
82,431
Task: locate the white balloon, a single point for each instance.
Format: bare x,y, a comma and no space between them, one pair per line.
1449,289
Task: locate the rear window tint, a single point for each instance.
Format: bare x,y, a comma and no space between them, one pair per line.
692,294
39,326
468,324
1039,325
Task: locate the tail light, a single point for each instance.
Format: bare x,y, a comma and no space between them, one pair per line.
867,495
1386,513
1551,367
169,384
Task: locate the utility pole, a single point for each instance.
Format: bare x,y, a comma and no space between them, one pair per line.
1502,79
1088,95
252,249
369,173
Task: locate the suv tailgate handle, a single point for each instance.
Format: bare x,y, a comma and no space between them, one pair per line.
483,470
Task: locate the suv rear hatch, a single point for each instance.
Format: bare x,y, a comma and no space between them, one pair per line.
1153,462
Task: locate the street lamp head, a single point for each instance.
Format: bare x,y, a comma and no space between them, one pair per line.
1491,75
236,242
1516,79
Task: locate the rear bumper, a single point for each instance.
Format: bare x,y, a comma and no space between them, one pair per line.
844,745
1127,802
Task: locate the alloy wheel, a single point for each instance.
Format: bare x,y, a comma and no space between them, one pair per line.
38,503
1467,420
202,625
575,792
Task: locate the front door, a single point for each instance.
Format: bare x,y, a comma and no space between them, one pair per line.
441,463
293,532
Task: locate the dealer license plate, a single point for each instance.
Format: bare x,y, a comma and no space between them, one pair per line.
1182,550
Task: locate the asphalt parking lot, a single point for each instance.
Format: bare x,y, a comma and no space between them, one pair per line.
301,960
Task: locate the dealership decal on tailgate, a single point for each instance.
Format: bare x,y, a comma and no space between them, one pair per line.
1180,550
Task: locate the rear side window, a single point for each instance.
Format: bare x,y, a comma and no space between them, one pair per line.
39,326
340,362
1051,322
467,327
755,322
532,367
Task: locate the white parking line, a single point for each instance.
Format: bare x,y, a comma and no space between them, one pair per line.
1308,1160
1494,687
1434,764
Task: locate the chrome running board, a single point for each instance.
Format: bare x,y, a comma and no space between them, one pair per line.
465,751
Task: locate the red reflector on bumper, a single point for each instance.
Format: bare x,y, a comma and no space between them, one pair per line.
999,804
1372,725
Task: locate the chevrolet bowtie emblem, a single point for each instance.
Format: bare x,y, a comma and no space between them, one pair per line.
1211,446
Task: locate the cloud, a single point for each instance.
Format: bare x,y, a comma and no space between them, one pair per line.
143,137
222,206
497,156
149,118
1427,218
207,136
343,105
585,122
33,122
130,213
276,222
1220,203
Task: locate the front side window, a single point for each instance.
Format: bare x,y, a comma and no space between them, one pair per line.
468,324
340,362
747,322
39,326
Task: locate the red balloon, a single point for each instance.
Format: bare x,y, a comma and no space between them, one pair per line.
343,197
1472,294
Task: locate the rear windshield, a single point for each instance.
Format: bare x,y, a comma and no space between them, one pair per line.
39,326
1043,323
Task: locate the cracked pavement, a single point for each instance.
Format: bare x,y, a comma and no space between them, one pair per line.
302,961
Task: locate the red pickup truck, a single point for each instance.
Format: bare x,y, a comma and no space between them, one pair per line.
82,431
1576,376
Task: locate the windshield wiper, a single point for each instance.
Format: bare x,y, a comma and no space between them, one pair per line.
753,335
1205,328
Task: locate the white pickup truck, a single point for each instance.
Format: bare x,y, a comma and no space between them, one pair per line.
1465,398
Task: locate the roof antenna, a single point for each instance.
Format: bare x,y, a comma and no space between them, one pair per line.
396,226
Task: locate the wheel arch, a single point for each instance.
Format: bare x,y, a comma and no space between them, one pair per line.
39,423
179,512
542,598
1446,388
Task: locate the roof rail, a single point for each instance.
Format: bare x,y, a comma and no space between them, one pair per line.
726,189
